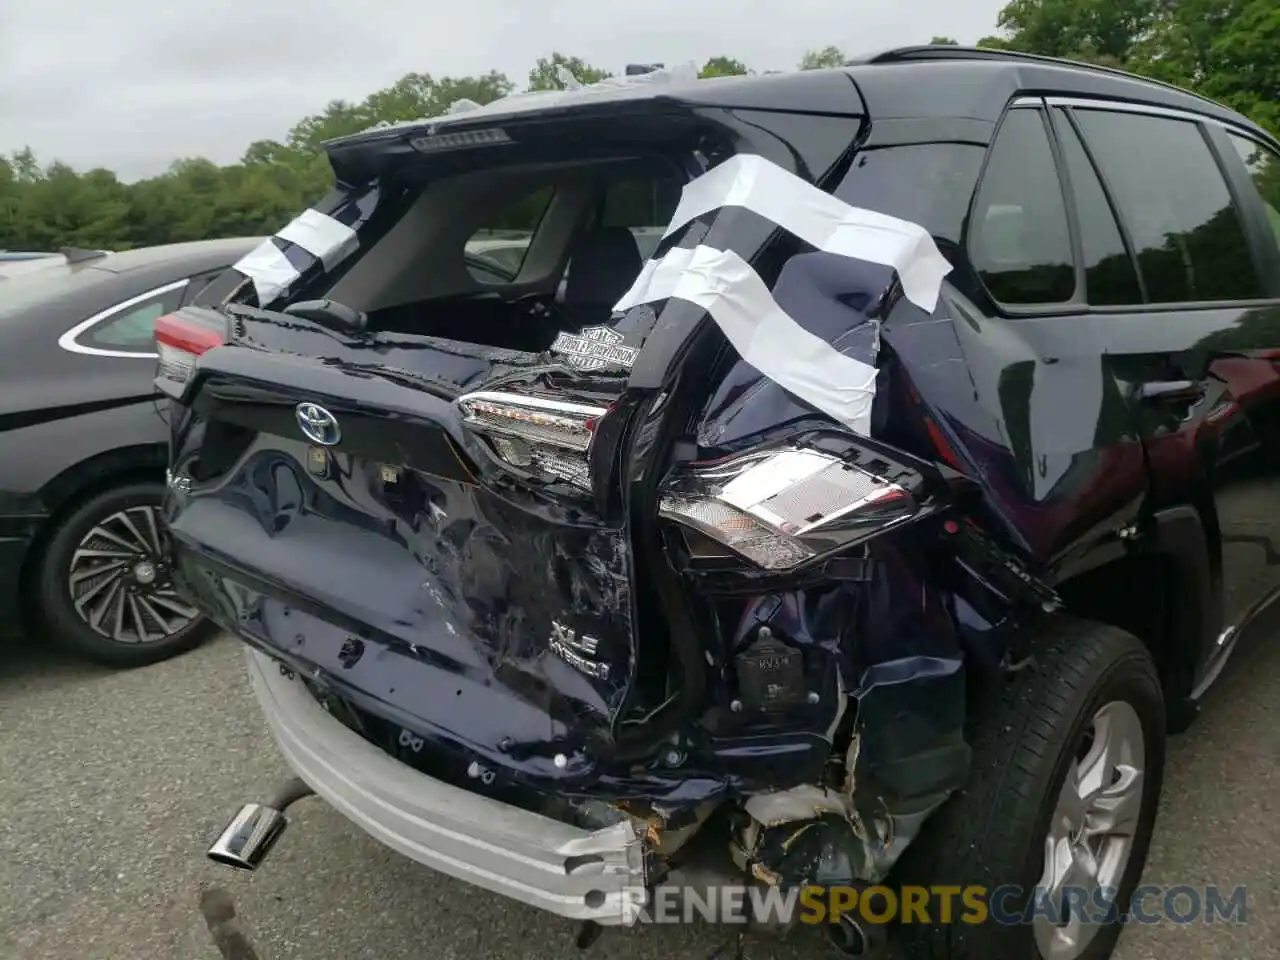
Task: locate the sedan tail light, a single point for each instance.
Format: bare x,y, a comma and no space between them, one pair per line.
180,341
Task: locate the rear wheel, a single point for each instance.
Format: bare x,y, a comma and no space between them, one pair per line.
104,585
1067,767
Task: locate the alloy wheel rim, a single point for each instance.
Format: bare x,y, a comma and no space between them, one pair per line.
120,581
1091,834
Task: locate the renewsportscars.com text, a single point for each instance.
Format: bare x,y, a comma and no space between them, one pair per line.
1006,905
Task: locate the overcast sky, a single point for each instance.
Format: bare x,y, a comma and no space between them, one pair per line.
133,84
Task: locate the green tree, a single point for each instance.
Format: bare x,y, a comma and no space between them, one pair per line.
723,67
820,59
545,75
62,209
25,168
1225,49
1096,30
943,42
1245,58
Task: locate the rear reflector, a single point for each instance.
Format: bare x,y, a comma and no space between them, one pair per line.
180,342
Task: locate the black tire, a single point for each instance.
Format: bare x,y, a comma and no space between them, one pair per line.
1024,739
56,612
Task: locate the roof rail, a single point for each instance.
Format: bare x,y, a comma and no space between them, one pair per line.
948,51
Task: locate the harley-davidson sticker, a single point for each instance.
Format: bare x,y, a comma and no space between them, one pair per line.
595,347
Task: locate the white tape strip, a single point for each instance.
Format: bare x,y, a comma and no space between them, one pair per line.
321,236
269,269
831,225
729,289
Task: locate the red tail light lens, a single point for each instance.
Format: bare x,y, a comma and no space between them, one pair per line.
179,342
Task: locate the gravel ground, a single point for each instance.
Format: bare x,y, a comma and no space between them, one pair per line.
113,783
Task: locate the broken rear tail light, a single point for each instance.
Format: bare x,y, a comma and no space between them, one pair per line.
782,508
180,342
540,437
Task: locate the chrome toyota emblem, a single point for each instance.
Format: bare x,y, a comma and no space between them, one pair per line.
318,424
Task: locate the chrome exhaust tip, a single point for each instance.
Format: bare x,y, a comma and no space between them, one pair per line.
249,837
245,842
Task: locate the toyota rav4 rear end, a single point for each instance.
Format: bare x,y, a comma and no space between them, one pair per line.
547,561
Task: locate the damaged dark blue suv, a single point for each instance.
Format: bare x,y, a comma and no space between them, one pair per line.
872,529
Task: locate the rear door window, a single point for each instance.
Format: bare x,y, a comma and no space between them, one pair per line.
1019,237
1264,167
1111,279
1186,231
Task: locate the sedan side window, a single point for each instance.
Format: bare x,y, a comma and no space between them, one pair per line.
1264,166
132,330
126,329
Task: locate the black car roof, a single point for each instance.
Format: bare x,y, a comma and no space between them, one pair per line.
905,82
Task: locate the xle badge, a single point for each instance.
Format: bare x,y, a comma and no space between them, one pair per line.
593,348
570,646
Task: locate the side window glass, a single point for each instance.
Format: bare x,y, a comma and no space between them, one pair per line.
1019,240
925,183
495,253
644,206
1264,167
131,329
1110,278
1186,232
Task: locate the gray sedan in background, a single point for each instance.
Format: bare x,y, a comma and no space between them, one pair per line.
83,447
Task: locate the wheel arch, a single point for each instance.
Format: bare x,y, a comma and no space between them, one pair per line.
77,483
1171,567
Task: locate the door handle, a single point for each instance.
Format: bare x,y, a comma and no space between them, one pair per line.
1171,392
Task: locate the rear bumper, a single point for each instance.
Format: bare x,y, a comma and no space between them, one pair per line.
18,529
586,875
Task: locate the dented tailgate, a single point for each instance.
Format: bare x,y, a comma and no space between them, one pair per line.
380,562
